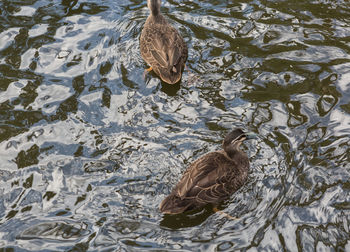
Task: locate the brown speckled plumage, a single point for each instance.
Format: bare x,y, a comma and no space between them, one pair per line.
212,178
161,46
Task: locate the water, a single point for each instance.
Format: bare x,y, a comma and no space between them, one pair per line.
89,148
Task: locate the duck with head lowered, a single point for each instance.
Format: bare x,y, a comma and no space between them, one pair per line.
161,46
212,178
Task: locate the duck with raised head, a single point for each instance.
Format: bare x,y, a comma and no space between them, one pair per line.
161,46
212,178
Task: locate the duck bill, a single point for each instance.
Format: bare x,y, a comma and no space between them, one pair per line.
251,135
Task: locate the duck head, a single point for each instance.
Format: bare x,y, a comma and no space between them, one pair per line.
234,139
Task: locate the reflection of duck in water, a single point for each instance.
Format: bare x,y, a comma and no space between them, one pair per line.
211,178
161,46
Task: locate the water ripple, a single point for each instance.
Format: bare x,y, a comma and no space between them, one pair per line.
89,147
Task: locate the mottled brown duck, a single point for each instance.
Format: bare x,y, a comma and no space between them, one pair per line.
161,46
212,178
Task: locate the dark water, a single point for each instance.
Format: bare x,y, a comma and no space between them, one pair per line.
88,148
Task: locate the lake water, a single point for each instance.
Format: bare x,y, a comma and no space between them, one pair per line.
89,147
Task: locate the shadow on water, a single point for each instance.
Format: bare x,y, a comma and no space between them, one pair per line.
185,220
170,90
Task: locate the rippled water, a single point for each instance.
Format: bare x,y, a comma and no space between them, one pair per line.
89,148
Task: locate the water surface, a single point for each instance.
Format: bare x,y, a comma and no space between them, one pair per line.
89,148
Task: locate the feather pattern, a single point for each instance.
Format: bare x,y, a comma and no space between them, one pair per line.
210,179
162,47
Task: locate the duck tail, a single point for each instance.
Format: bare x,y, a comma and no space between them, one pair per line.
170,76
172,204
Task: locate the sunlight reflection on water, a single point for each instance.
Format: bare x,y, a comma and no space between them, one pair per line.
89,148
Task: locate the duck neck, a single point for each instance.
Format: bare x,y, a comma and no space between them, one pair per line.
238,156
154,6
232,151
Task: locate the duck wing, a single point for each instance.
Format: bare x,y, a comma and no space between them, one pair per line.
207,180
165,48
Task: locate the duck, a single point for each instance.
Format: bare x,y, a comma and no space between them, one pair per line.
161,46
212,178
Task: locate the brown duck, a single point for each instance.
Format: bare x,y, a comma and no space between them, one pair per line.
212,178
161,46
